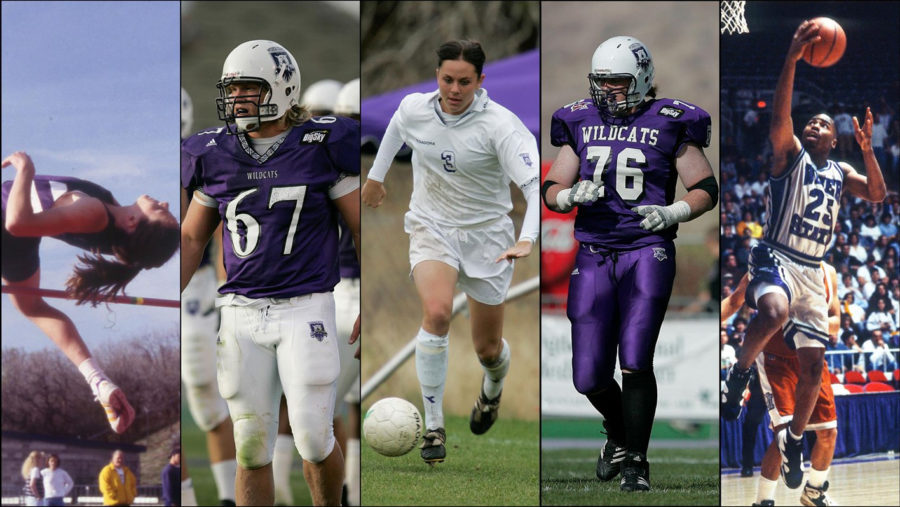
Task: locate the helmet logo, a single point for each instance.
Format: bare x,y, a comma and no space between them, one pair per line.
641,56
283,65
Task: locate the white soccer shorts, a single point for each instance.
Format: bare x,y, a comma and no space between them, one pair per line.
471,251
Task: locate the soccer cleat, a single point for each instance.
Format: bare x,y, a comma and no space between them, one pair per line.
733,392
118,411
484,413
791,459
765,503
635,472
433,450
227,503
609,464
815,496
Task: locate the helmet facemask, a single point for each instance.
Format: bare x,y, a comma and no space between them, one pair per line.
601,96
226,105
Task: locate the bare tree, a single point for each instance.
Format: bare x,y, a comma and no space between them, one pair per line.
44,393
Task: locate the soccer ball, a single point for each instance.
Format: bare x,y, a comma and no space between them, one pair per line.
392,426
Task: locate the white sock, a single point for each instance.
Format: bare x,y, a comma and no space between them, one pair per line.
495,372
224,473
431,366
187,492
816,478
281,468
92,373
351,471
765,490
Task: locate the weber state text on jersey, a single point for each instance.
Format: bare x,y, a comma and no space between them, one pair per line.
633,159
802,207
281,235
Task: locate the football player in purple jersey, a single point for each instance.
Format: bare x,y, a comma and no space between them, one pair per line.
140,236
621,153
278,178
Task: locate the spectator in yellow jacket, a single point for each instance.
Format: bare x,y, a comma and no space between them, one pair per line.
117,482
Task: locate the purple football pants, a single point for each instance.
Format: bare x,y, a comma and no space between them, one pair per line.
617,302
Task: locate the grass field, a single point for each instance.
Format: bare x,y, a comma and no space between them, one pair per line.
193,446
500,467
677,477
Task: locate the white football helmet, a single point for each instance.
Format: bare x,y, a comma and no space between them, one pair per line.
271,66
621,57
187,114
348,99
321,96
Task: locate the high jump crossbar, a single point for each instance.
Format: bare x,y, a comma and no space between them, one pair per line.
459,304
125,300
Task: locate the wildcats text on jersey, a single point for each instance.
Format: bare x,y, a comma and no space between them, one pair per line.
625,133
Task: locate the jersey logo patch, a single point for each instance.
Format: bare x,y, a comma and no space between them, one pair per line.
315,137
449,159
671,112
660,254
212,142
526,159
577,106
317,330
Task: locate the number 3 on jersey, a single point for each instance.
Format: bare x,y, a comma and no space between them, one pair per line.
251,224
601,155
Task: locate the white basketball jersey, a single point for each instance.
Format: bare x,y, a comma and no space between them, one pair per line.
461,172
802,208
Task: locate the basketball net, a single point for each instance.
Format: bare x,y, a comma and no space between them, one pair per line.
733,18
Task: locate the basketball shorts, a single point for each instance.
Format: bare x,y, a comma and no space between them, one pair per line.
770,270
778,379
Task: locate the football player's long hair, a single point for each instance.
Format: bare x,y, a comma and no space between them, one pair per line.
97,279
34,459
297,115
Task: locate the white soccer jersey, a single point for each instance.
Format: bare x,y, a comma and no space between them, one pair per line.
461,172
802,207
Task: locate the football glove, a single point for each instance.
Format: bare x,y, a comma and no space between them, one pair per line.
663,217
584,192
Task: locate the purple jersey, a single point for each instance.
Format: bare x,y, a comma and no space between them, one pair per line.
632,159
45,190
281,234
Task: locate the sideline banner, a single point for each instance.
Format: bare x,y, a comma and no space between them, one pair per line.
686,365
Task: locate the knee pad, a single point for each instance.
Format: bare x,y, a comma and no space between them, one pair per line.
312,421
254,440
207,407
431,358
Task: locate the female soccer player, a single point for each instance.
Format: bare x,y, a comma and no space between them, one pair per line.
278,179
140,236
466,149
621,153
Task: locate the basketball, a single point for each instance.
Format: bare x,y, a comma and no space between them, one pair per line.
830,49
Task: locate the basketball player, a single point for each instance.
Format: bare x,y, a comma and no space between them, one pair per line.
803,199
620,154
278,178
777,366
